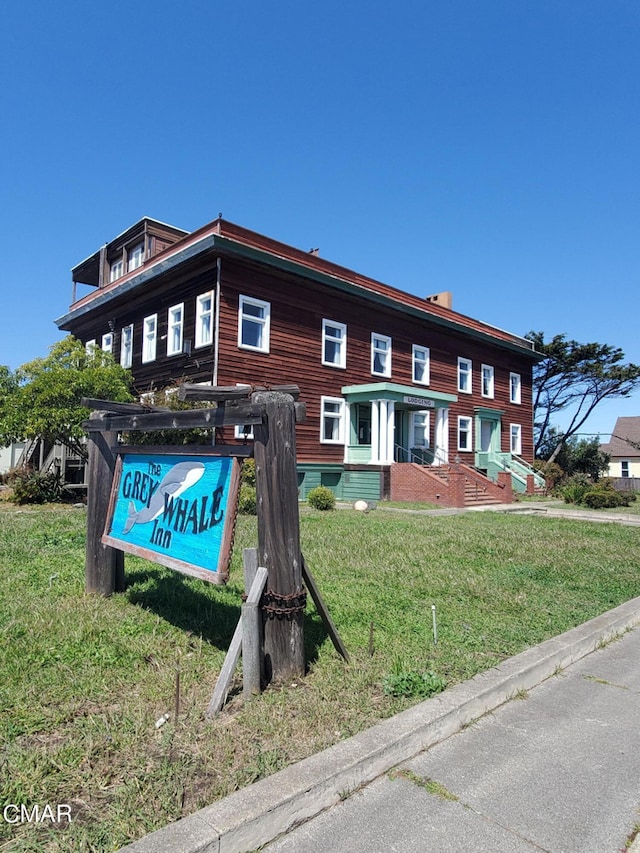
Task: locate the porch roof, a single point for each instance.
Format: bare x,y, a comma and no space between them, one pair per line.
415,397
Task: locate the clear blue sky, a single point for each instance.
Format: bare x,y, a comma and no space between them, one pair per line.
487,147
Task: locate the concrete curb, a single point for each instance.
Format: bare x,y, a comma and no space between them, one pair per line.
259,813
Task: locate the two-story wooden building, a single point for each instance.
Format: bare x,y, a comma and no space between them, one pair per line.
397,387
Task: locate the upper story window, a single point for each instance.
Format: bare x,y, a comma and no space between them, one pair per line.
334,344
116,269
126,346
149,343
175,319
135,257
515,388
420,358
204,319
488,381
624,468
380,355
464,375
332,420
90,346
107,342
253,324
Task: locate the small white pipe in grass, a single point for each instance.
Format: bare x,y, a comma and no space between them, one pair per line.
435,626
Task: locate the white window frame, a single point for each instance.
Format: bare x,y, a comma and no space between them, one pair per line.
487,373
338,415
107,342
135,256
339,340
116,269
264,323
465,425
420,355
202,316
383,351
90,346
149,338
515,439
465,372
515,388
625,467
175,324
424,414
126,346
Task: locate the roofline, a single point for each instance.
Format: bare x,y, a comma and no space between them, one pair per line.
211,241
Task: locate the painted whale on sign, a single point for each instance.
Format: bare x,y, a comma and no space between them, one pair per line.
176,481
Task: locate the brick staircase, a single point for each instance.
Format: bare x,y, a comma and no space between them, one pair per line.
449,485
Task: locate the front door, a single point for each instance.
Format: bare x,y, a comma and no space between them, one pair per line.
400,438
441,438
486,436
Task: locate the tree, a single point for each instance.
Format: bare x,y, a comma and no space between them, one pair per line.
574,377
41,400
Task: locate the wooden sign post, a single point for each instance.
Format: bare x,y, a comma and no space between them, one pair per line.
279,536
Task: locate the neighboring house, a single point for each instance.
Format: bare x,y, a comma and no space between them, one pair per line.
397,387
624,450
10,456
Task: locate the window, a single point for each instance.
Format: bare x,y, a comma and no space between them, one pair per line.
516,439
107,342
332,420
420,365
90,346
174,329
464,433
380,355
487,380
116,269
150,338
334,344
419,429
204,319
624,468
464,375
253,324
514,388
135,257
126,346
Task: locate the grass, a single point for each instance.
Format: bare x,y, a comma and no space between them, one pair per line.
84,679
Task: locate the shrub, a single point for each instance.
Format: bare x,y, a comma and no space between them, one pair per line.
247,500
603,496
32,487
248,476
321,498
551,472
575,489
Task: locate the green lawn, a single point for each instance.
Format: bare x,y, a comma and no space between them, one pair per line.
84,679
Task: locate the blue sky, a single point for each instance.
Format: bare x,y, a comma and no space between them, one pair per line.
487,147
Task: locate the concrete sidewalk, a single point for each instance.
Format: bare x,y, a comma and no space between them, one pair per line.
602,748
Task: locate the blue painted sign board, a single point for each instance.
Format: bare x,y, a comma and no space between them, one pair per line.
175,510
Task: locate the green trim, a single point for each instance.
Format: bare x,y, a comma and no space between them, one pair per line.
393,391
488,414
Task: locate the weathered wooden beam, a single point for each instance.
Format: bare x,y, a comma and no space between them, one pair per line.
221,393
120,408
322,609
279,536
241,450
238,414
104,566
231,660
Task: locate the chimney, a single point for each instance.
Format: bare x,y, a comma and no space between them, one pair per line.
444,298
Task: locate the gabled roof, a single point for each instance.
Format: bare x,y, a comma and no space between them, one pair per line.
625,428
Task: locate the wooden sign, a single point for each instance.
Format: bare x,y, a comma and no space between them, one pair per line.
176,510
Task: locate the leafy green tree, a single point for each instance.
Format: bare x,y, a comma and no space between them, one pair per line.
575,378
41,399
